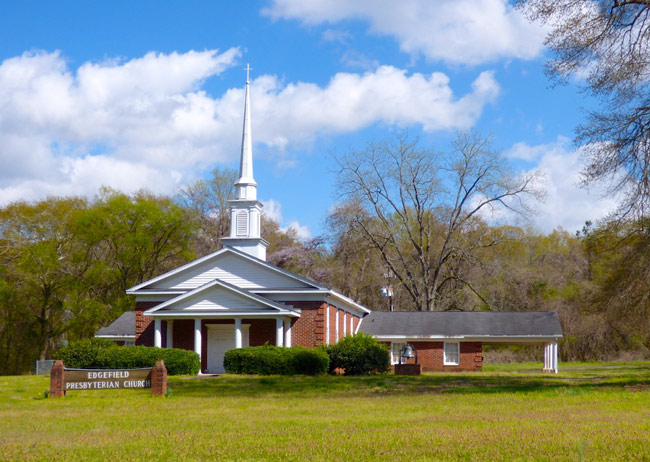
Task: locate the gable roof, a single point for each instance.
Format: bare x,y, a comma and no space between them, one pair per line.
220,297
200,271
460,324
124,326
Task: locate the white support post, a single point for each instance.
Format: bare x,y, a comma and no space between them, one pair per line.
327,324
555,357
287,332
197,337
345,324
279,331
238,337
170,334
157,334
337,325
352,325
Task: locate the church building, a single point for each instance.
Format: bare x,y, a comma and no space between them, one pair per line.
233,298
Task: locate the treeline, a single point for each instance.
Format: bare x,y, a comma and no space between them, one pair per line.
65,264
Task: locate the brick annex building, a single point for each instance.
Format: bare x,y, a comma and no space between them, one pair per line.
233,298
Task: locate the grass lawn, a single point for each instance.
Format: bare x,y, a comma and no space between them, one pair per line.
590,411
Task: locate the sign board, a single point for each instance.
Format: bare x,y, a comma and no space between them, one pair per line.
103,379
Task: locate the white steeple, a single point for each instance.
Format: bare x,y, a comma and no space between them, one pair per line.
246,187
245,209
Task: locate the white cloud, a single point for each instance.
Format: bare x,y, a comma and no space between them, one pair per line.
302,231
455,31
567,204
335,35
350,102
273,210
147,123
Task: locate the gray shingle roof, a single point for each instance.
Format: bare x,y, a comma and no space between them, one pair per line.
462,324
124,326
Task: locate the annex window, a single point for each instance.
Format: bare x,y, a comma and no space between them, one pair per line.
452,354
395,352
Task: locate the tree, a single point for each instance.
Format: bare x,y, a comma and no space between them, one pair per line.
422,210
606,42
207,199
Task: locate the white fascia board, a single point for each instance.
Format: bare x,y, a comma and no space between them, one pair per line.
116,337
301,297
219,314
334,297
484,338
144,293
227,286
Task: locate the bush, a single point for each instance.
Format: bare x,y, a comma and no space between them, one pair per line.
359,354
272,360
82,354
177,361
104,354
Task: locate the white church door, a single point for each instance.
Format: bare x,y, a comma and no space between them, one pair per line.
221,338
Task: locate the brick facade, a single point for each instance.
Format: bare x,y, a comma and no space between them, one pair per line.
431,356
144,324
309,329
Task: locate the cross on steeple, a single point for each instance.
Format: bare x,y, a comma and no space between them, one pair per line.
248,68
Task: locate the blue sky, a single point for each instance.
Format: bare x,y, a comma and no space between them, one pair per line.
150,95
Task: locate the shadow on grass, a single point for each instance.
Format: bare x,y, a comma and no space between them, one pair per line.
633,378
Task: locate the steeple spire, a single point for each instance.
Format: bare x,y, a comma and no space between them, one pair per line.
246,187
245,209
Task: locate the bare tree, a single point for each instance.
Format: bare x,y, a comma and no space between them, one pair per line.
422,210
208,201
606,43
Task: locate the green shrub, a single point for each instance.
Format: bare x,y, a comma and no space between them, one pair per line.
359,354
103,354
177,361
272,360
82,354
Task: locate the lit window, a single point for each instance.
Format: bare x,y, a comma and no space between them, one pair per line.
396,351
452,354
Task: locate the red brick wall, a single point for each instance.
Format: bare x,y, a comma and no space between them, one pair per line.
309,329
431,356
261,331
183,334
144,324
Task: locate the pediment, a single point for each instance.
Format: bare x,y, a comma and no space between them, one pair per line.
220,297
230,266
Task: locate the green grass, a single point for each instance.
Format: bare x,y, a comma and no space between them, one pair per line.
590,411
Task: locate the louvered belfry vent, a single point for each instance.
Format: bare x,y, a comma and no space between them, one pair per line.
242,223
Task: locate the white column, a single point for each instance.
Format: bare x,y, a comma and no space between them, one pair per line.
238,338
351,325
279,331
555,357
197,337
548,355
327,324
170,334
287,332
345,325
157,334
337,325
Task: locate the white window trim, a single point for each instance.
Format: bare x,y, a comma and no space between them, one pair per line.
393,358
445,361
